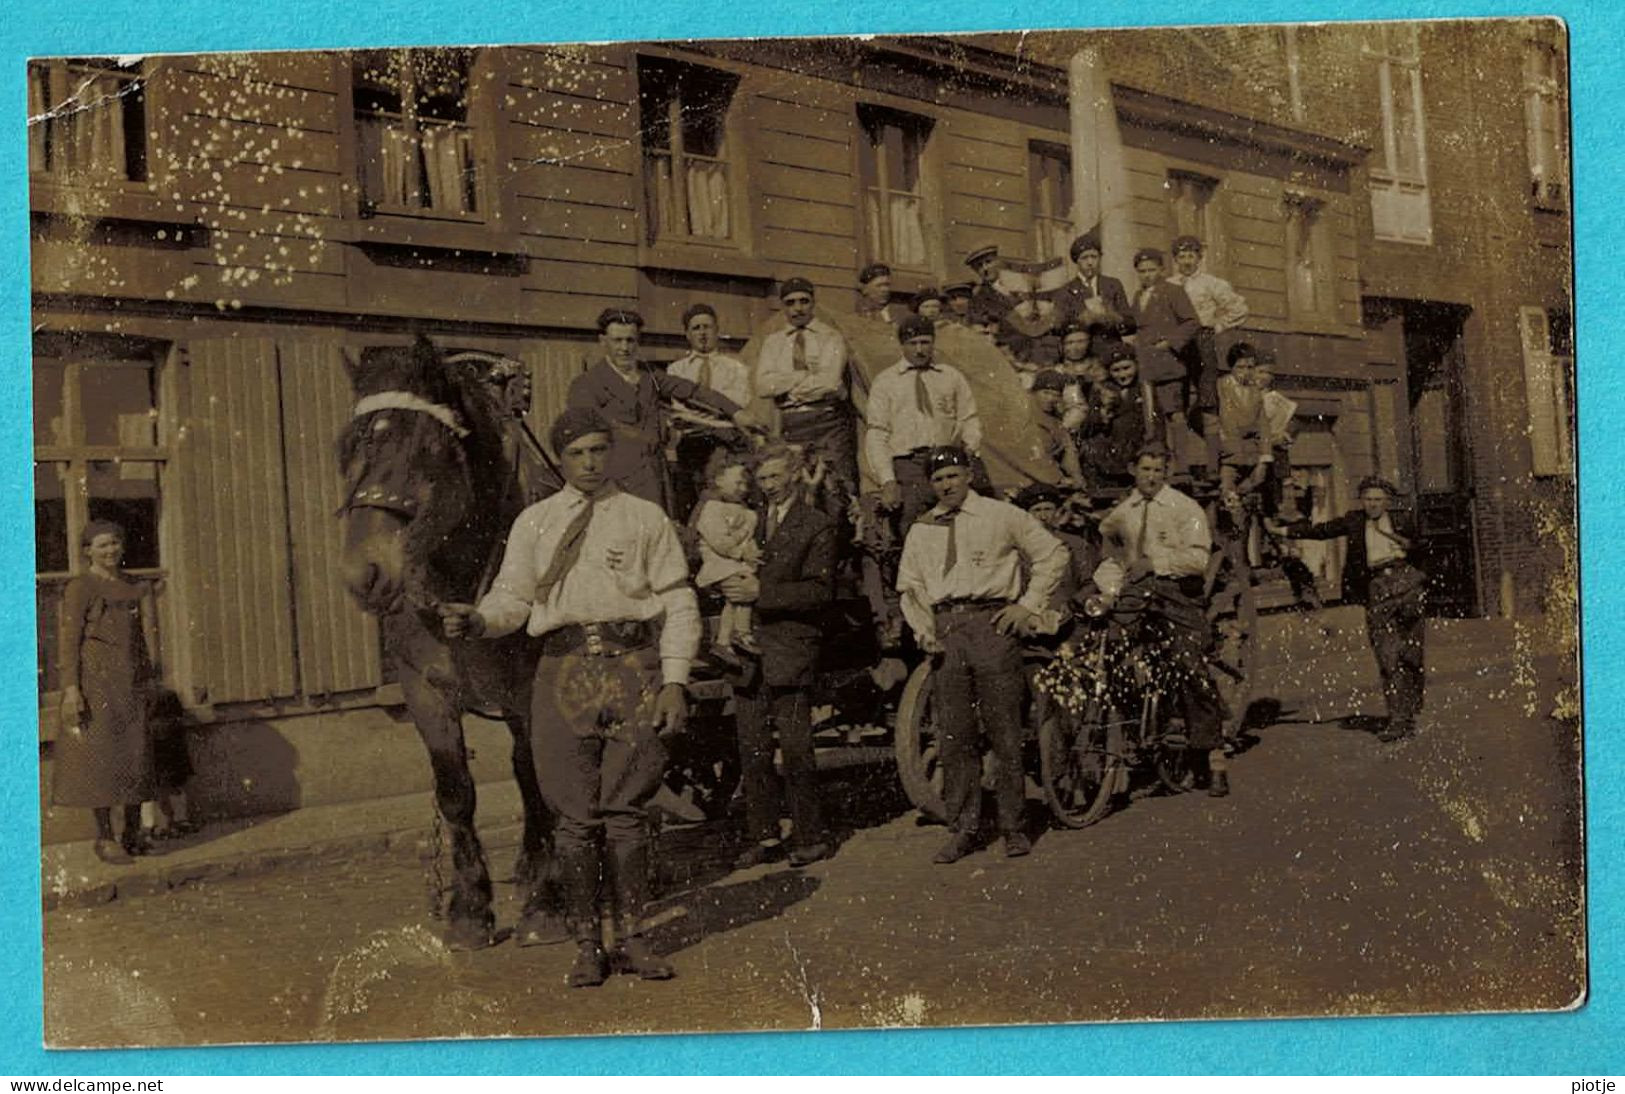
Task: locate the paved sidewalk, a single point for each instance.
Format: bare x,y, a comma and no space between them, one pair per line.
1318,666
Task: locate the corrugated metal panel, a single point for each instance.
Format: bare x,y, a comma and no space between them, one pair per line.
239,606
553,364
338,642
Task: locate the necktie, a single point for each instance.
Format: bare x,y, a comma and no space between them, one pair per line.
705,369
951,556
798,351
922,394
569,550
772,520
1145,527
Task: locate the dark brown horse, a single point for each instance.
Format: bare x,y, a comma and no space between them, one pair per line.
433,469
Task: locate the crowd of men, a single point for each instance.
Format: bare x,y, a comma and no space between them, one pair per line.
601,571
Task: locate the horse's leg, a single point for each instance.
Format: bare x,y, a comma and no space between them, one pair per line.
536,873
469,921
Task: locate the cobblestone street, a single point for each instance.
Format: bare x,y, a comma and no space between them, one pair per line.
1341,876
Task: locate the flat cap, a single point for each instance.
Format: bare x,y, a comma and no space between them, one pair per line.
1114,351
981,254
1088,241
929,293
1148,252
947,455
958,288
872,271
1036,493
1186,243
1049,380
794,285
576,422
916,326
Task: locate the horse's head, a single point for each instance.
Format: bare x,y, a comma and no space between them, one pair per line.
421,446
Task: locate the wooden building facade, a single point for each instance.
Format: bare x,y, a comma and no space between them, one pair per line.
212,233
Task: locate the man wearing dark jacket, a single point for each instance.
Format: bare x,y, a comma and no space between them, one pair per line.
795,582
1093,299
629,394
1378,574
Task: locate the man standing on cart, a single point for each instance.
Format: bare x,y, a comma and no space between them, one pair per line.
961,587
1162,545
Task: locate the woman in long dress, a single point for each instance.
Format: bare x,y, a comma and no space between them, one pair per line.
104,752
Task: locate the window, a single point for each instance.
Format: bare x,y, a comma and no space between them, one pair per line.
98,455
87,120
1049,167
1548,369
890,158
1311,283
1547,126
415,142
1193,209
1399,187
688,185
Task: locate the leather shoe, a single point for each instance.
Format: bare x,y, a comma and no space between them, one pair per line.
758,854
958,846
815,852
591,966
634,956
1396,731
1220,786
1017,844
110,852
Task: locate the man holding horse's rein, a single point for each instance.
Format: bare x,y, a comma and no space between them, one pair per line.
593,571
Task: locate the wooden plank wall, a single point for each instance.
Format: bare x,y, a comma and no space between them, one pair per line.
338,642
252,141
987,189
234,567
553,364
1253,210
574,177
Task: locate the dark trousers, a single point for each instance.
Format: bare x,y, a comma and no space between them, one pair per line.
765,798
915,485
826,429
599,761
1396,625
978,689
1176,629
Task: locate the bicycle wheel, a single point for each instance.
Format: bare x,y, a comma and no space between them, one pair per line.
1170,753
1077,766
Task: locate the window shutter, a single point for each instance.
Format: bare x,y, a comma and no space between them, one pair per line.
1547,412
233,570
338,642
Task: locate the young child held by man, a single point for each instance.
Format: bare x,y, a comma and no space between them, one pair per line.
726,527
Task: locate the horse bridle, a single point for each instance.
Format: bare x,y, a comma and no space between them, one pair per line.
365,494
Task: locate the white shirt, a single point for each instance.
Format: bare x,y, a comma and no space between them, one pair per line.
729,376
1217,304
825,376
1177,539
631,566
895,426
991,538
1378,547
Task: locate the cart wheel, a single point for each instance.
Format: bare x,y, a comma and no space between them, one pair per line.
918,765
1078,765
704,775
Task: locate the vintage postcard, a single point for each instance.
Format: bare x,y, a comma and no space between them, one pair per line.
1060,526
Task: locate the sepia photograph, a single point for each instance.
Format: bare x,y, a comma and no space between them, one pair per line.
781,534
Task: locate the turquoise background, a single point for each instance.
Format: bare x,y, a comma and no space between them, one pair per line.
1589,1041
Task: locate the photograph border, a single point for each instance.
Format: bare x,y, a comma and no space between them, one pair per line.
1587,1040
